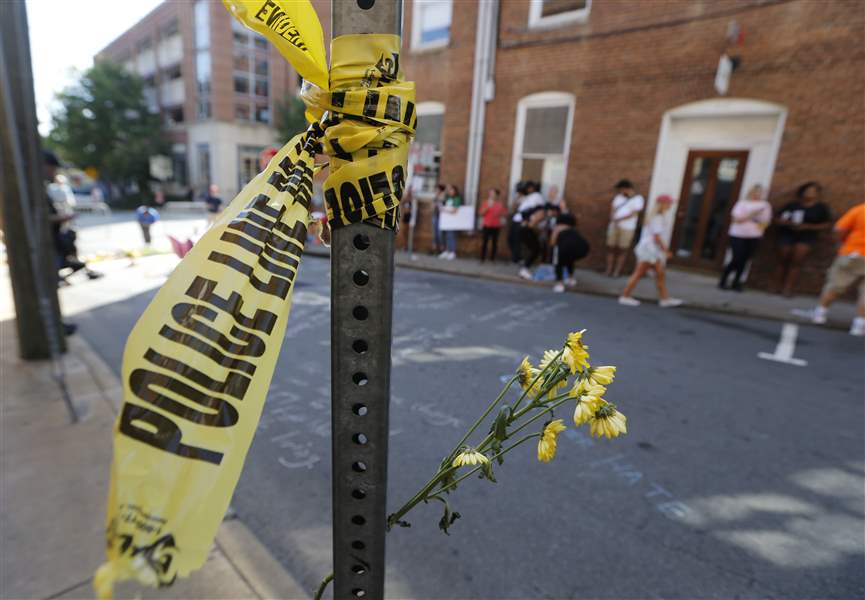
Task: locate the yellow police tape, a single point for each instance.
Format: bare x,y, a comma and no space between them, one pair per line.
198,364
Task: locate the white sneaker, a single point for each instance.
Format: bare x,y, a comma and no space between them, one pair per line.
571,282
444,254
816,315
451,256
858,326
559,287
526,274
670,303
628,301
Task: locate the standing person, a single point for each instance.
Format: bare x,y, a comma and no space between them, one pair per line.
800,223
749,220
452,202
568,247
652,253
532,217
214,202
146,216
492,213
516,224
405,217
624,213
438,202
847,269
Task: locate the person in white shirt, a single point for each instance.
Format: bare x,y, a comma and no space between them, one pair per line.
624,214
748,220
652,253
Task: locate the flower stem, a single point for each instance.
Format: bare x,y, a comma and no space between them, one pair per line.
502,453
322,586
482,417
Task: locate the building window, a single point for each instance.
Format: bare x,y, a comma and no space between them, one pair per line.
171,28
260,42
262,113
247,167
172,73
241,62
202,24
542,139
203,166
261,88
241,84
554,13
178,162
261,67
426,151
241,112
203,109
431,24
173,115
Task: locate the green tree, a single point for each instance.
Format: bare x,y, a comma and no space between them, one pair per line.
289,118
103,122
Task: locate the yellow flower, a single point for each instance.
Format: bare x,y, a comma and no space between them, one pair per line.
526,373
576,354
607,421
602,375
547,443
469,456
584,387
586,407
549,357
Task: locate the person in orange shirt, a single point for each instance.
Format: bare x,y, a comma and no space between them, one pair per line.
847,269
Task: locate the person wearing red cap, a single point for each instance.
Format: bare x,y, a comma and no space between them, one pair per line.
652,253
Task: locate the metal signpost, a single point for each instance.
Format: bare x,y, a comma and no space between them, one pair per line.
361,308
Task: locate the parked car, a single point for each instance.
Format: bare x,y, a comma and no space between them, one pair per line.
89,198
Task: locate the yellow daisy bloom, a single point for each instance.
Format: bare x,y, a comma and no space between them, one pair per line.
607,421
547,443
602,375
586,408
576,354
526,373
585,387
469,456
549,357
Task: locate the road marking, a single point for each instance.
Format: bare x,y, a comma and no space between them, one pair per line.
786,347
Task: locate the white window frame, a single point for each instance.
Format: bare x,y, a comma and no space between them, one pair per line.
417,29
541,100
536,21
424,109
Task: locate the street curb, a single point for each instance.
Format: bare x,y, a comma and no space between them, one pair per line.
836,324
251,560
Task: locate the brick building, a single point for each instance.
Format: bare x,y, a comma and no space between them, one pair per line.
214,82
581,93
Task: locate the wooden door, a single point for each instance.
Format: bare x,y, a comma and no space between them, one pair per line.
710,188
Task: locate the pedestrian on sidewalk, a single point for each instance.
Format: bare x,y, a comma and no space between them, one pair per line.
146,217
568,247
625,211
213,202
847,269
748,222
452,201
438,202
515,224
532,216
800,223
492,214
652,253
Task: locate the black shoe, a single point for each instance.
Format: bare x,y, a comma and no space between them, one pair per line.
69,328
737,287
723,286
94,274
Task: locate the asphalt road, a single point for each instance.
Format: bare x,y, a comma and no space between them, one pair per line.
739,477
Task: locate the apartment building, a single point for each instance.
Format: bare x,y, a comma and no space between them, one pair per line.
581,93
215,84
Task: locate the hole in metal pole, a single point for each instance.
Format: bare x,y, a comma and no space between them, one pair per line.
360,313
360,277
360,379
358,520
358,569
360,439
361,241
359,346
358,545
365,4
358,466
358,495
359,409
358,593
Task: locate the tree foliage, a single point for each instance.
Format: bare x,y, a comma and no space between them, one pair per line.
103,121
290,119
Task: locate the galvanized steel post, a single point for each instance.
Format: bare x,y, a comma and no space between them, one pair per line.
361,309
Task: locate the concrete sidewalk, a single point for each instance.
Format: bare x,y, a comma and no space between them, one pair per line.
696,289
53,488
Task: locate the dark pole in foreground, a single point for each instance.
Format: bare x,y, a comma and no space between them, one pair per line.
29,249
361,309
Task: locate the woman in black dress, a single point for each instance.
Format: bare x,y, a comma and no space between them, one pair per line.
800,223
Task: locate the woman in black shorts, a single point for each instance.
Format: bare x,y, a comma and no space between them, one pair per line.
568,247
799,225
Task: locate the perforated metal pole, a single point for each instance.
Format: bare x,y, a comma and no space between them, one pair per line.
361,309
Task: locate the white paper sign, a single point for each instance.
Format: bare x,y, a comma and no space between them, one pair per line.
461,220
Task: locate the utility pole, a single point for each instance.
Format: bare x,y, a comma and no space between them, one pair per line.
361,314
29,247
